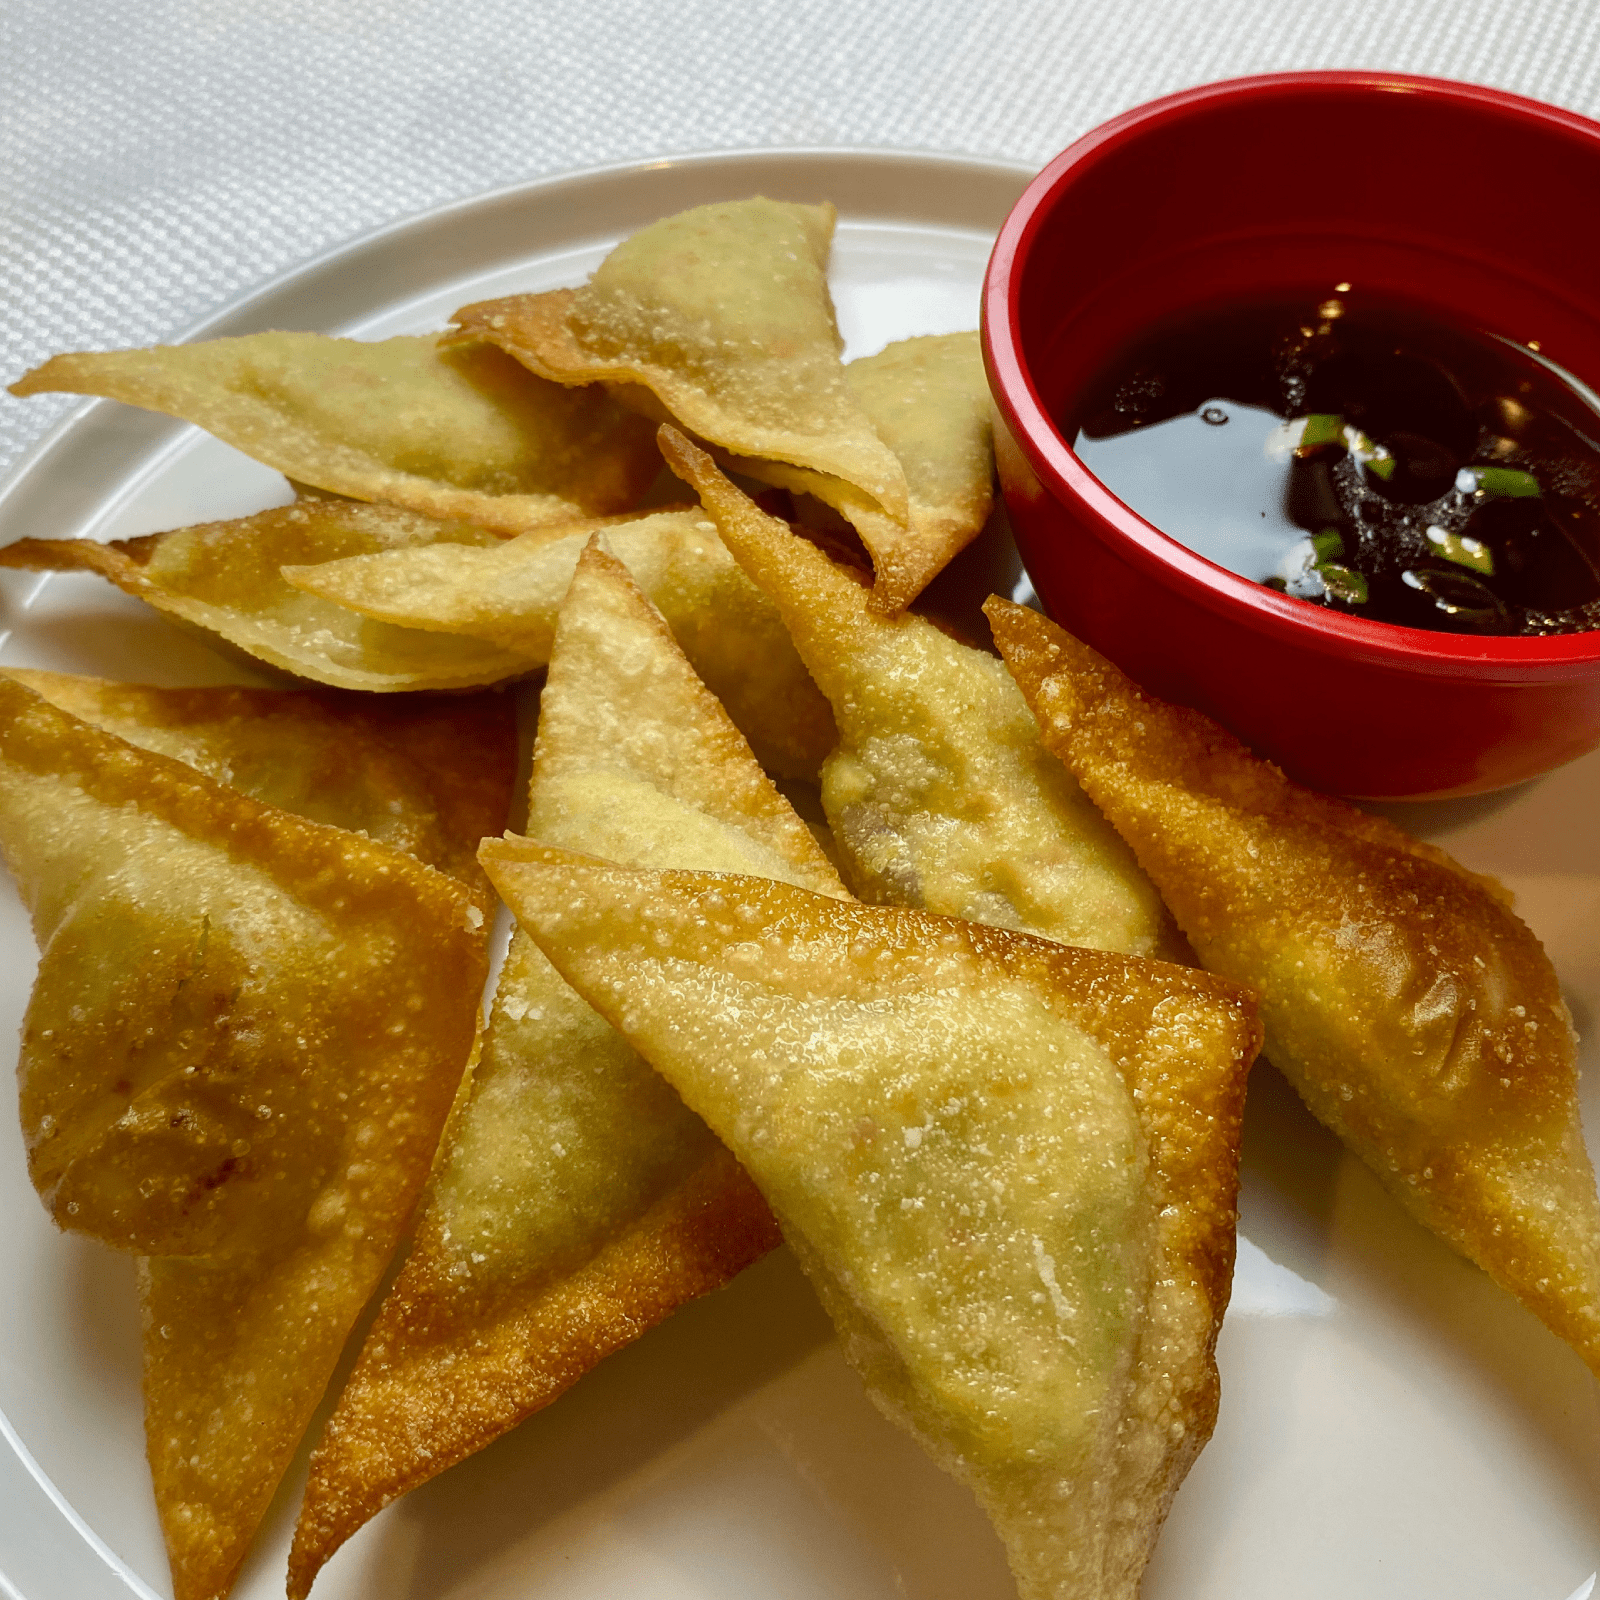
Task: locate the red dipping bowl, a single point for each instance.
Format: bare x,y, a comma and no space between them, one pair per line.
1482,206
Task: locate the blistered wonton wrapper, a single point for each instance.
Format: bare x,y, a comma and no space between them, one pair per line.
929,401
251,1027
940,794
225,579
430,776
723,314
577,1203
1008,1167
1417,1016
453,432
116,1146
508,594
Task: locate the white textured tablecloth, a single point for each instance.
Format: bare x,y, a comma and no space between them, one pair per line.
161,157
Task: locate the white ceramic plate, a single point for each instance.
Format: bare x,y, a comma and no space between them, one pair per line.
1392,1424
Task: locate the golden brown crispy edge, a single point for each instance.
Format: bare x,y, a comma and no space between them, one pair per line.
442,1375
695,1239
1447,1065
460,751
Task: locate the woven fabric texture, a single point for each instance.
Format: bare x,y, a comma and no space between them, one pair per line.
158,160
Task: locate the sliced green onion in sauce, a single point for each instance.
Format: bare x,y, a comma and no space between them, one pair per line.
1343,583
1462,549
1506,481
1374,457
1321,428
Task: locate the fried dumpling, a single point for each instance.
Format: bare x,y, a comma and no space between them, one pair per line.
939,793
224,579
723,314
929,401
245,1035
1009,1168
429,776
1417,1016
454,432
185,933
508,595
577,1202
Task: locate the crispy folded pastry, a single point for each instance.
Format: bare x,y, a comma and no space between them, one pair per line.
245,1035
723,314
929,402
1009,1167
577,1202
940,794
430,776
160,1035
508,596
1417,1016
224,580
457,432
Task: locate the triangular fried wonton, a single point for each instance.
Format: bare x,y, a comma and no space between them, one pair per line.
225,580
940,794
245,1035
929,401
723,313
457,432
1418,1017
577,1203
430,776
1008,1166
184,989
508,595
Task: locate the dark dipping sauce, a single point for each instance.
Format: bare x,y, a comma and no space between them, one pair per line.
1363,457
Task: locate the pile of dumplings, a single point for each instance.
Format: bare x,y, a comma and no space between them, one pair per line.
974,1046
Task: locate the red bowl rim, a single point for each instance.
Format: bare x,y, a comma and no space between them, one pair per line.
1141,543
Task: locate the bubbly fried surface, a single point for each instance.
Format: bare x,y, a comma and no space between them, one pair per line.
224,578
244,1038
940,793
460,432
507,591
426,776
161,1035
1008,1166
577,1202
929,401
723,314
1417,1016
508,595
